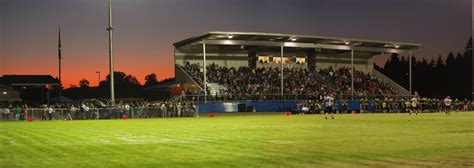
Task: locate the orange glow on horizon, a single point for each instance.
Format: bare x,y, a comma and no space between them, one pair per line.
77,67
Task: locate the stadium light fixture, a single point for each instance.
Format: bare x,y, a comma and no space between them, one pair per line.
230,36
396,46
347,42
293,38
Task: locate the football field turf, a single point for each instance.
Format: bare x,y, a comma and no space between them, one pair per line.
393,140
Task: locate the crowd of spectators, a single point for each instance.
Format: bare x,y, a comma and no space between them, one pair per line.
297,81
90,110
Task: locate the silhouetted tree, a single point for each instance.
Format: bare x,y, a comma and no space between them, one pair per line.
83,83
435,78
150,80
125,86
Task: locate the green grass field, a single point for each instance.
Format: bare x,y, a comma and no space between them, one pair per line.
380,140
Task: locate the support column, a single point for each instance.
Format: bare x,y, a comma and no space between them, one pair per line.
252,53
281,68
311,60
204,71
410,67
352,74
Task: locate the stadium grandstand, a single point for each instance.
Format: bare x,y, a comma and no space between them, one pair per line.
259,64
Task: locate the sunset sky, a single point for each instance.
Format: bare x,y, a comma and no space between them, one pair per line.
145,29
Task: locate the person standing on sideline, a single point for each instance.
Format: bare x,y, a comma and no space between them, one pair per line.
50,112
71,109
179,109
2,112
25,112
17,112
6,112
45,111
84,111
127,110
447,105
414,104
163,110
171,110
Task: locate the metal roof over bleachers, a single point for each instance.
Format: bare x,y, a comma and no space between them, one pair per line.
298,41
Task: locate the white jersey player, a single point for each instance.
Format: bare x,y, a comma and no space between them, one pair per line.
447,105
329,99
414,105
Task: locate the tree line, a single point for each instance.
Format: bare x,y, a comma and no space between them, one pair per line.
434,78
126,86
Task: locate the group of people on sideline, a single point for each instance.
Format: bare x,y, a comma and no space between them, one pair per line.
412,105
97,110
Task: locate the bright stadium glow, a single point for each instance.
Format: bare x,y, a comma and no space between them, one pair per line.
230,36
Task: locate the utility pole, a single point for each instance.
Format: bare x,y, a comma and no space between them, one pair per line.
59,61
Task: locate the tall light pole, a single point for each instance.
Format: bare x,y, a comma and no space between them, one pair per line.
111,58
59,62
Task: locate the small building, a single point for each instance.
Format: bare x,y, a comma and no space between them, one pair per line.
31,88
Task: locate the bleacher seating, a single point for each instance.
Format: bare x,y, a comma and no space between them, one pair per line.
297,81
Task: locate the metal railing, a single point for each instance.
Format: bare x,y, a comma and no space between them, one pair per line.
287,97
